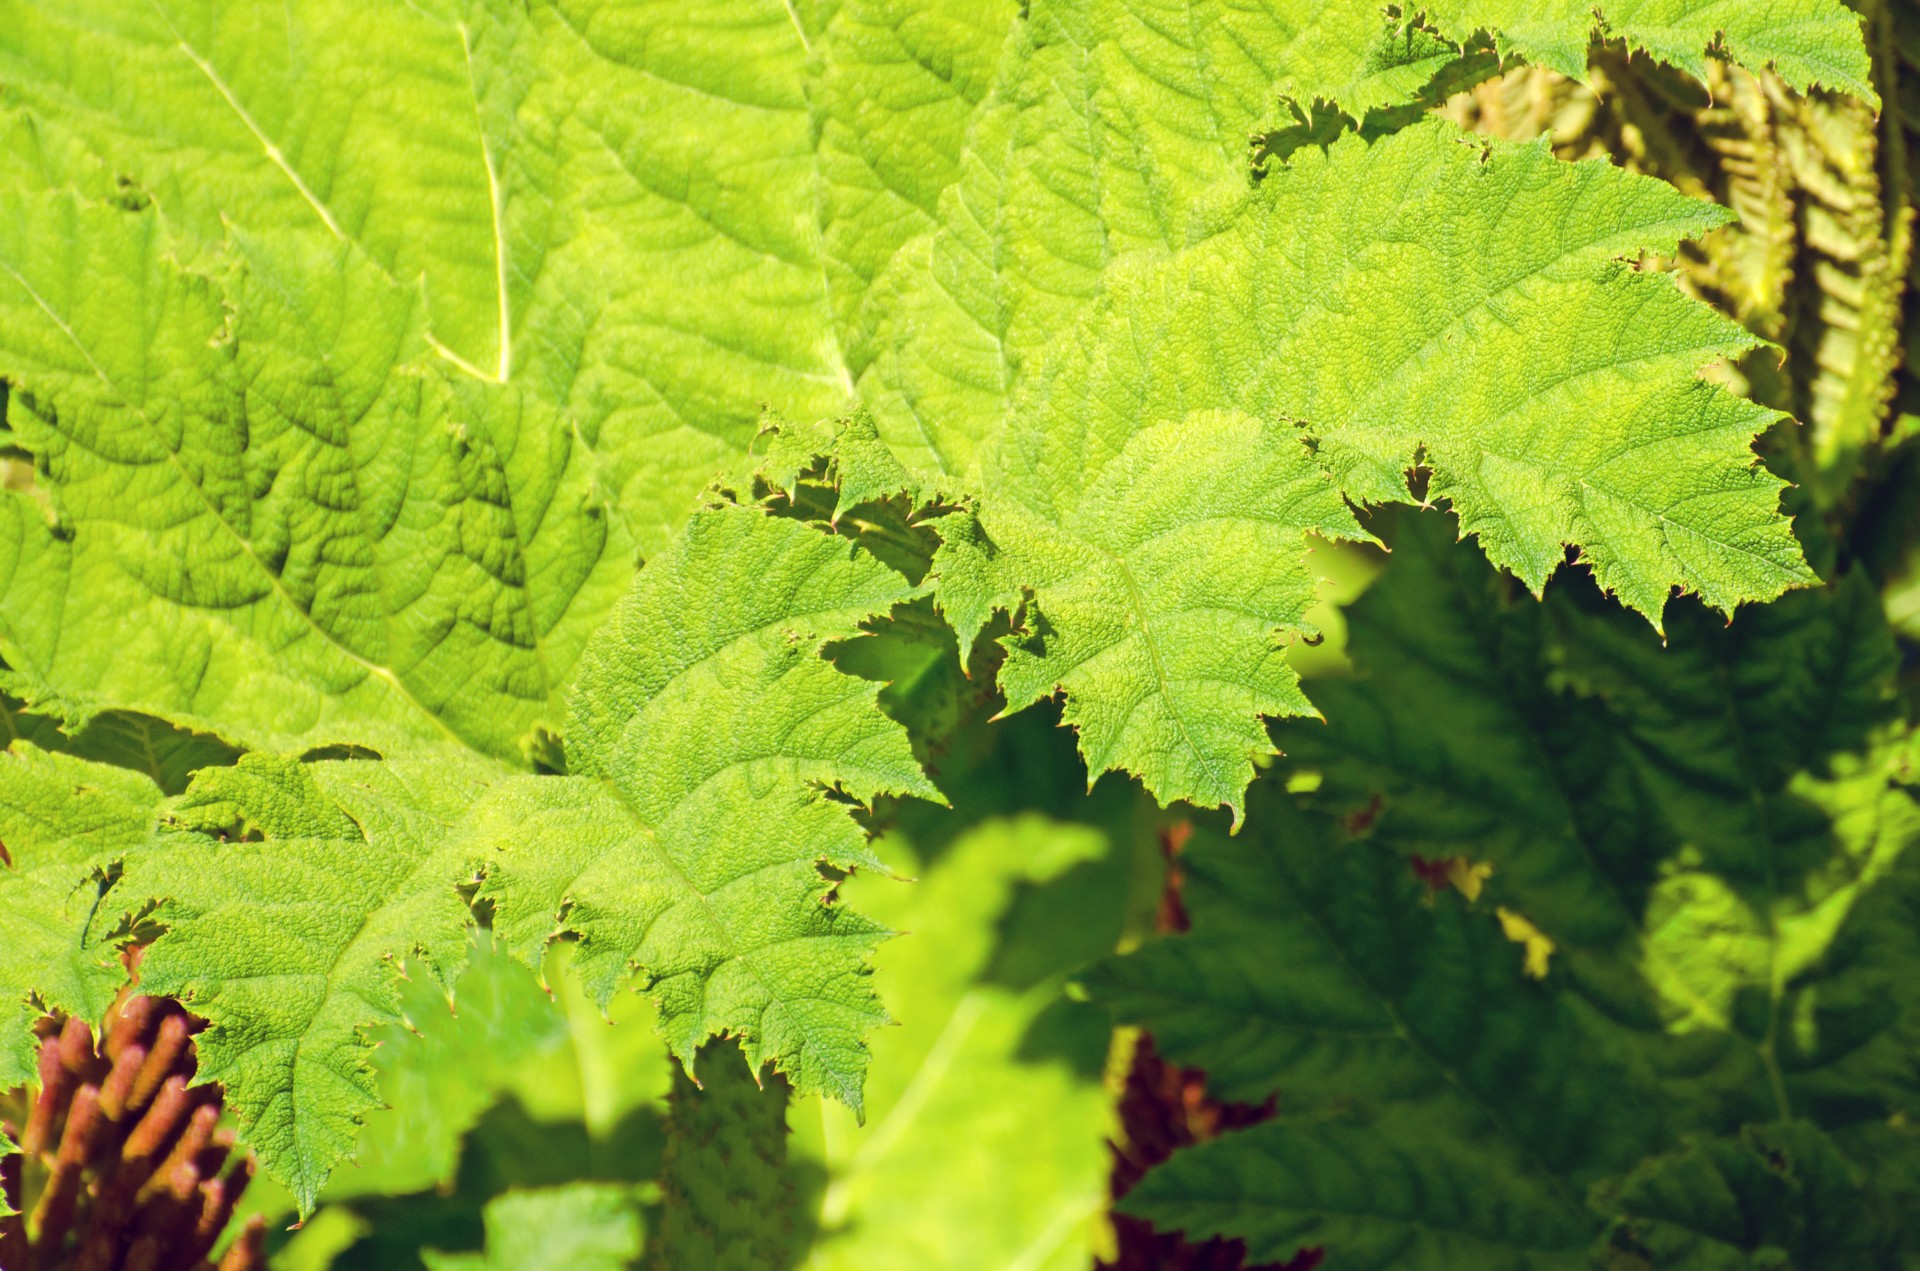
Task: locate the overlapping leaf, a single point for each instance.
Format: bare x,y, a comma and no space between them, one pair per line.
366,353
1419,299
166,755
1808,42
267,522
286,936
571,193
711,753
1729,892
1113,132
64,822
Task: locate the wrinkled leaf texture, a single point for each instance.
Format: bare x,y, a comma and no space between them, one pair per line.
1717,837
358,361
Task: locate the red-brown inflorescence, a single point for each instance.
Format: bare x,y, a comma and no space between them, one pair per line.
123,1164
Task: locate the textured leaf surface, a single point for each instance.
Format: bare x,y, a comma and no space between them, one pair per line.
1418,299
1164,563
286,938
1688,824
1475,1106
727,1197
706,737
63,822
1809,42
1113,132
519,161
289,469
358,360
1777,1195
1116,132
267,523
1729,892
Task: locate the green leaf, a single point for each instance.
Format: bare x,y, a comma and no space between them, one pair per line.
1164,562
1113,134
64,822
580,1227
505,1087
710,755
1775,1196
984,1142
444,1063
1372,1196
269,523
1808,42
1690,824
571,187
1441,1110
1715,838
1158,528
287,937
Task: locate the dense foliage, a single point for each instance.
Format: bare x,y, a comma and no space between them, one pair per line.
512,496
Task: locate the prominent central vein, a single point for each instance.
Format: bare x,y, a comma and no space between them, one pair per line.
494,198
273,152
793,16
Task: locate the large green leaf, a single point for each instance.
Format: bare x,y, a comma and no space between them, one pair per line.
570,185
982,1148
64,822
1419,299
710,755
686,850
286,937
1714,837
1163,562
268,523
1808,42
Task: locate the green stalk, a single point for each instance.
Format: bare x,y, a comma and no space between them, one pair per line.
727,1200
